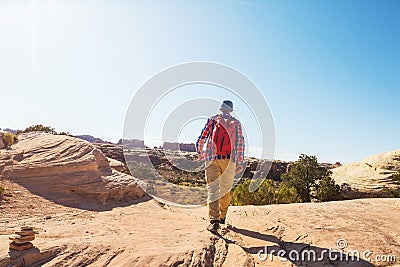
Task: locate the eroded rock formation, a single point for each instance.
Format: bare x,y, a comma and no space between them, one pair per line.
61,167
371,175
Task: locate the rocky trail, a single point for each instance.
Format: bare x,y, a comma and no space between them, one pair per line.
149,233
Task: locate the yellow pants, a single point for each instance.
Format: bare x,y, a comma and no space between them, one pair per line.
219,177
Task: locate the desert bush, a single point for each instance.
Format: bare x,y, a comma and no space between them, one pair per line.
305,177
264,195
286,194
305,180
65,133
327,189
9,139
40,128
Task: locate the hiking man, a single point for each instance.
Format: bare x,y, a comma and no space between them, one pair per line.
224,153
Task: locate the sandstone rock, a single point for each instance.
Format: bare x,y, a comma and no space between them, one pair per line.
116,165
19,247
62,168
146,234
101,160
111,151
25,233
30,257
384,163
372,175
22,239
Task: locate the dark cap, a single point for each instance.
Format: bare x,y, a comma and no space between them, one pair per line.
226,105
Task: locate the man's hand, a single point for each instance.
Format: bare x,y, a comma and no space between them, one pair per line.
239,169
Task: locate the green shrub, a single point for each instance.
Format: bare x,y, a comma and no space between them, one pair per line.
40,128
286,194
9,139
327,189
65,133
264,195
306,179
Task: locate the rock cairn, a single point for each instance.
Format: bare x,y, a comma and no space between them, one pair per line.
22,238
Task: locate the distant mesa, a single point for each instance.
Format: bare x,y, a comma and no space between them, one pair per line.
134,143
91,138
175,146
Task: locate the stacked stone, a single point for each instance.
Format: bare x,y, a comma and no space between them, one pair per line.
21,240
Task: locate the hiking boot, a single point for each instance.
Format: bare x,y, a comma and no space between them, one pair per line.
214,226
222,221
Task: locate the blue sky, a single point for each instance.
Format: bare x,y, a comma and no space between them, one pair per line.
328,69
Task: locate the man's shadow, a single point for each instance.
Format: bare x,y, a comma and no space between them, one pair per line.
300,254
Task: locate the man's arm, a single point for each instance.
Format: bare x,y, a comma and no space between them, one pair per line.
239,146
203,136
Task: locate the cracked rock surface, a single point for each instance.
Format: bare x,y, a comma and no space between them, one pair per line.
149,234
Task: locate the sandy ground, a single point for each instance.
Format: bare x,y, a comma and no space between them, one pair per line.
147,233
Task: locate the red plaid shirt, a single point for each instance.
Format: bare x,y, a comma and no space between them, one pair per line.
209,153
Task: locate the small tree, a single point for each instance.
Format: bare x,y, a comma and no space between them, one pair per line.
304,176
